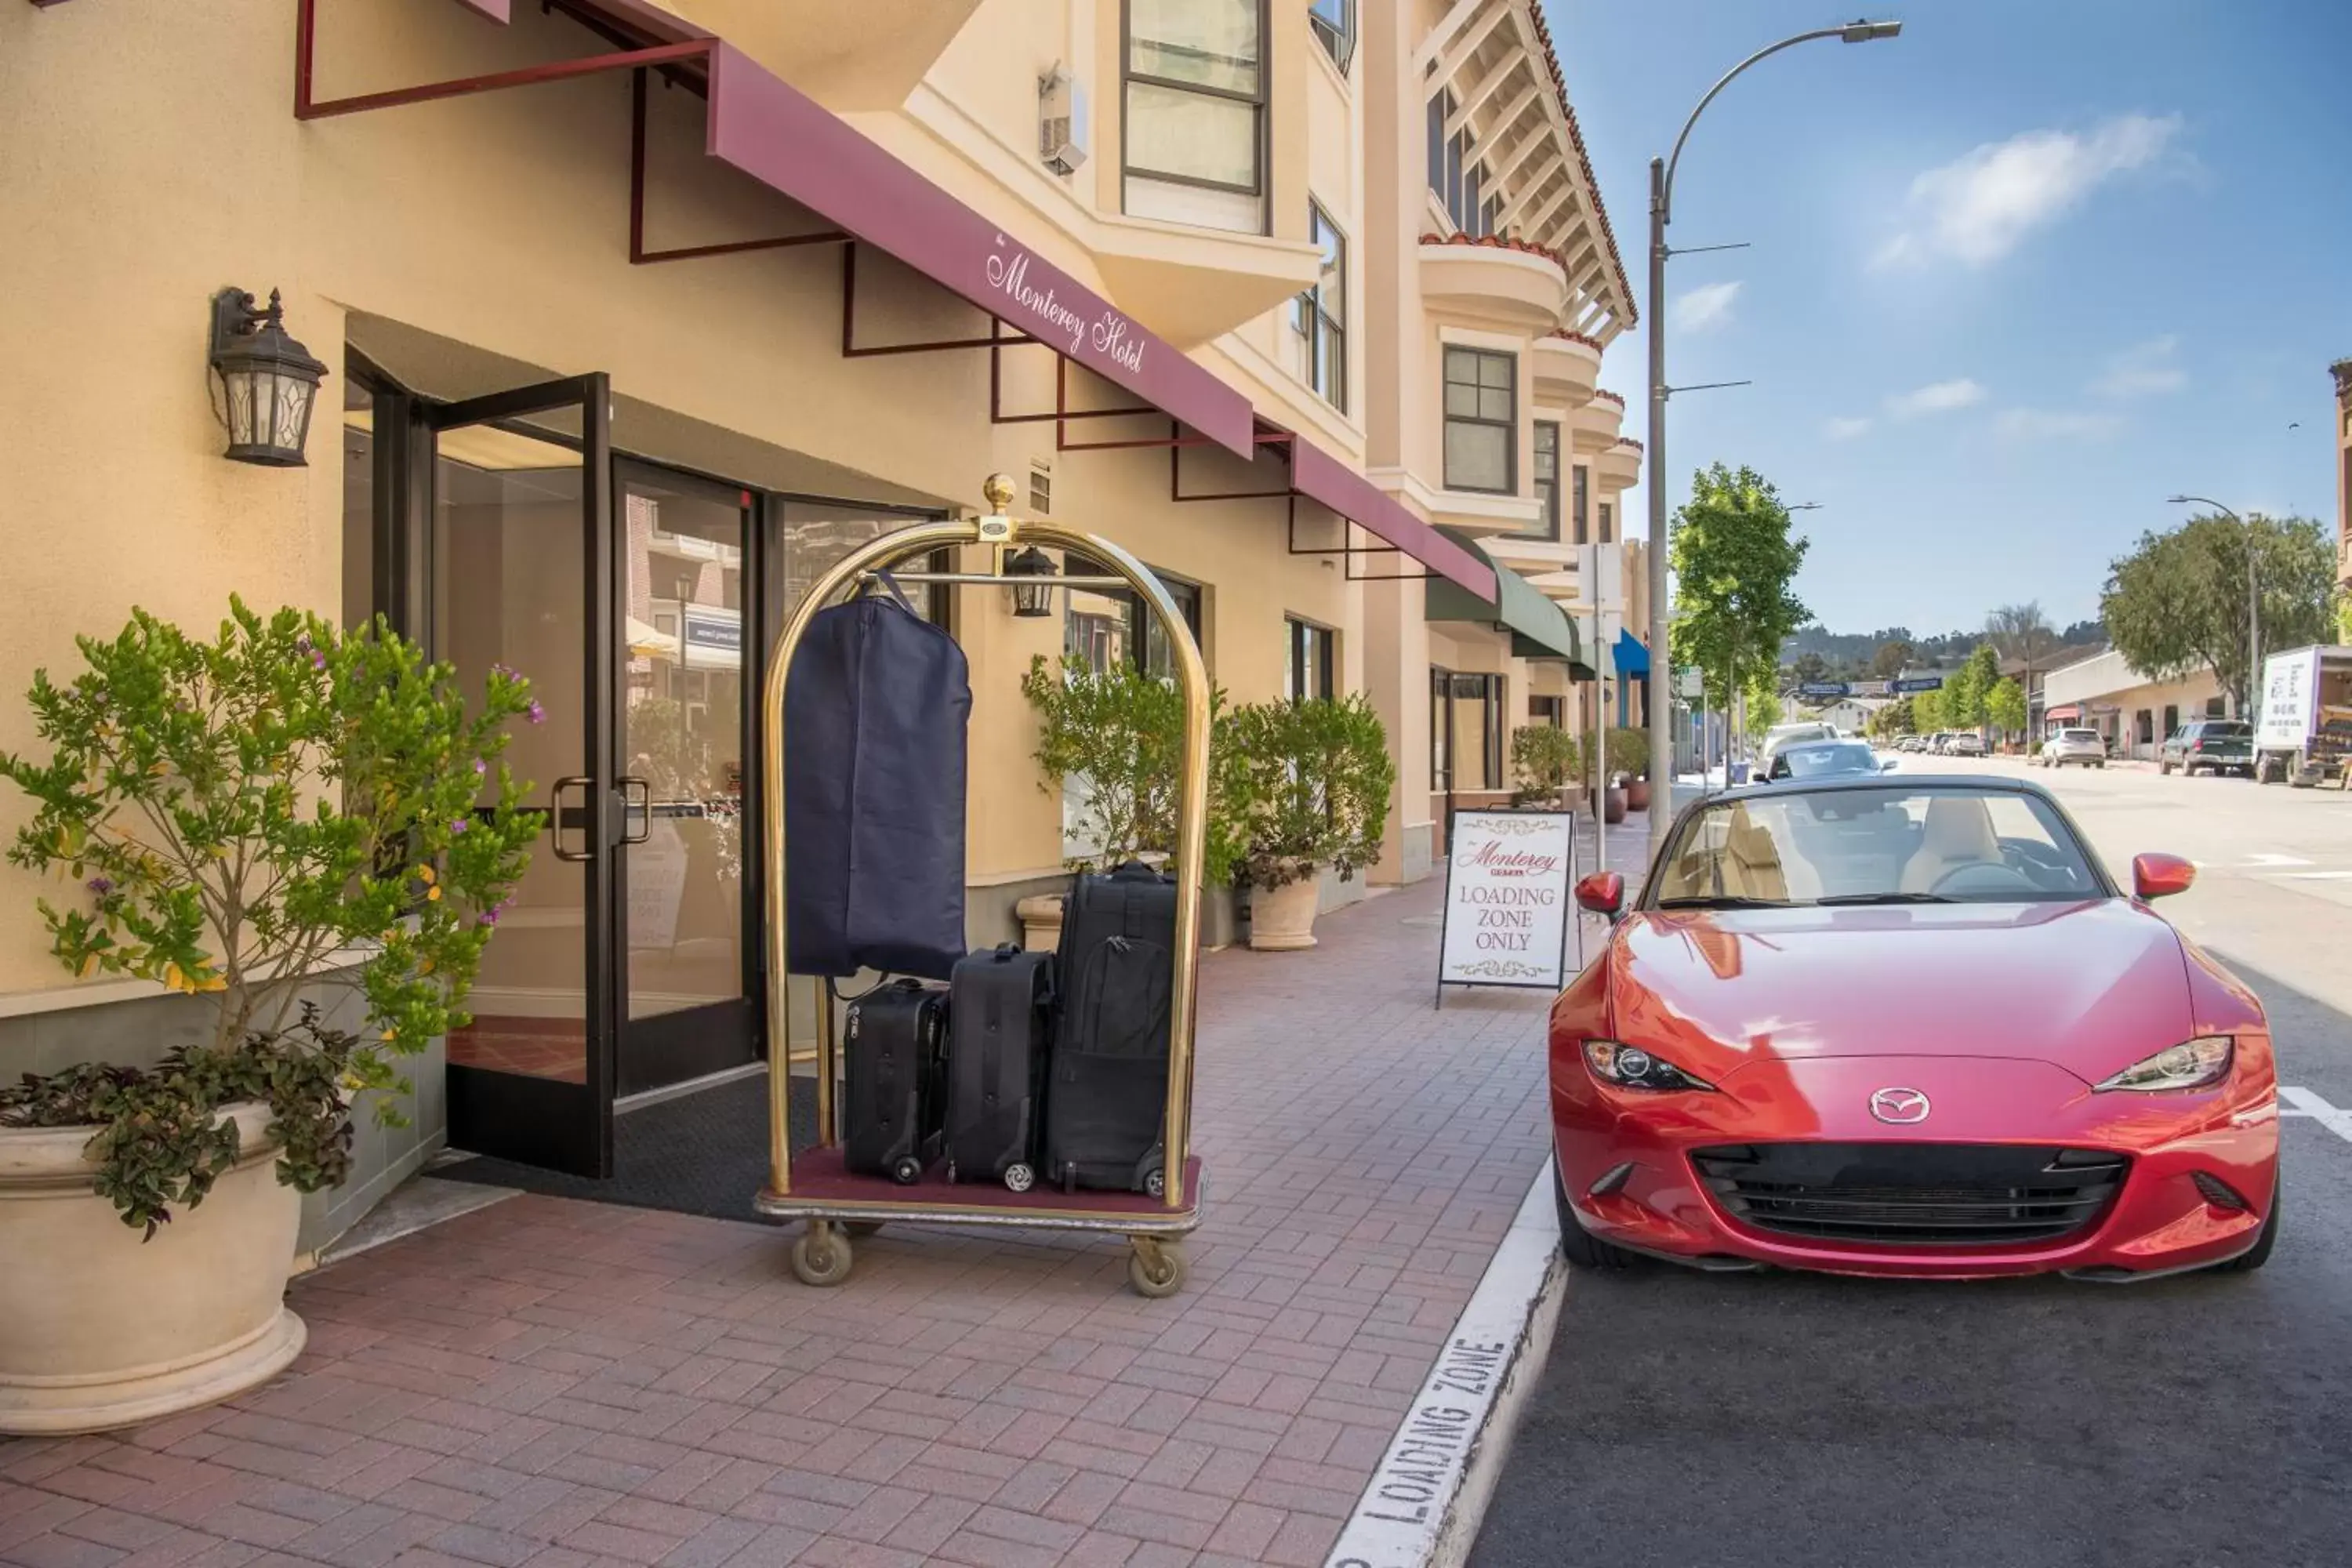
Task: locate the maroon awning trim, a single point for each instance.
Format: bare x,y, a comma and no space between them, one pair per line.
774,133
1320,477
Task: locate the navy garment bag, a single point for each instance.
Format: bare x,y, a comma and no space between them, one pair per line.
877,705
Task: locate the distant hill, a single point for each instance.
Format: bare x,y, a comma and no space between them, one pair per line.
1848,654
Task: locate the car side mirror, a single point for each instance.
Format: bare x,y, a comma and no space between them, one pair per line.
1603,893
1886,765
2160,876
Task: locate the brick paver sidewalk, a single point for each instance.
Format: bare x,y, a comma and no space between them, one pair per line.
554,1384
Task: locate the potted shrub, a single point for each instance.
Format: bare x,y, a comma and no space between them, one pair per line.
1545,759
1629,759
1304,785
1112,743
245,820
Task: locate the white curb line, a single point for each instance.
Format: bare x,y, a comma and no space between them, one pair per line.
1423,1505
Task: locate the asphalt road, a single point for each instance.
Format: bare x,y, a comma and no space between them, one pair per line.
1804,1422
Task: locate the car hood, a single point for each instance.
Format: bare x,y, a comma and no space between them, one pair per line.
2089,986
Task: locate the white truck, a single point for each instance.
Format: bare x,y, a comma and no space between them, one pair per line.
2302,731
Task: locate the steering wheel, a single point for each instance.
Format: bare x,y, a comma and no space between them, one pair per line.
1987,876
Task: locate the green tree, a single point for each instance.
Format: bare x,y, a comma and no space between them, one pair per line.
1764,709
1895,719
1928,711
1891,659
1808,667
1965,689
2177,602
1735,561
2005,705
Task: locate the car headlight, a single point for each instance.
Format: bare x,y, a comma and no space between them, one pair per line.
1631,1067
2192,1064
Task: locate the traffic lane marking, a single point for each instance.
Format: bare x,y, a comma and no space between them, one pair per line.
2304,1102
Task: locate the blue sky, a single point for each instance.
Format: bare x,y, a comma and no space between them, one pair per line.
2015,277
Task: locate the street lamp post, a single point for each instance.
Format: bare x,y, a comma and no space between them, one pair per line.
1662,196
2254,599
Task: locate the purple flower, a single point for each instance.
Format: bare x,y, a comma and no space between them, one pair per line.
303,642
318,659
535,713
101,886
489,916
481,768
459,825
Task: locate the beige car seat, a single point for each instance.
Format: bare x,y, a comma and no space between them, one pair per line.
1959,832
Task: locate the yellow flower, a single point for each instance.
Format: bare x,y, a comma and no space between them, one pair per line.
89,966
425,875
431,894
388,1034
171,976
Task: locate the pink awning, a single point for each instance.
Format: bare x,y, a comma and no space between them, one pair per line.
1322,478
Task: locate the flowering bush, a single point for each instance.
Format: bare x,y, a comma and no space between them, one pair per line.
282,807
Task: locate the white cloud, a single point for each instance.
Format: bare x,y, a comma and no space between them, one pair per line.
1709,305
1937,398
1981,206
1845,429
2143,371
2055,425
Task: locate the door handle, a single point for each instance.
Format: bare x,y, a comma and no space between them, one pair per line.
638,807
587,850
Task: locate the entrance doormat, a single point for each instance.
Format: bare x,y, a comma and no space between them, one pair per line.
703,1153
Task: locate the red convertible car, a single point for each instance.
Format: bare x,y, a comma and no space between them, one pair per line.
1912,1028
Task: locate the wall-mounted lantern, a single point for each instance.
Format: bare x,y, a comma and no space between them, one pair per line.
1032,598
268,381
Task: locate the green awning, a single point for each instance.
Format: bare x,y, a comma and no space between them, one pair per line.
1539,629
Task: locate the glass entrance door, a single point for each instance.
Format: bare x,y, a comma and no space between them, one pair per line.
683,732
521,574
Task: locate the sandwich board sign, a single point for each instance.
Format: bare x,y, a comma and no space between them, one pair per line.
1509,902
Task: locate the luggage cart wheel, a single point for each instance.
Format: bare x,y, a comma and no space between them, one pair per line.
821,1254
1019,1177
1156,1267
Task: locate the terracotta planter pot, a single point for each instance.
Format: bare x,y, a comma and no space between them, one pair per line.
1612,804
1637,795
1281,920
99,1329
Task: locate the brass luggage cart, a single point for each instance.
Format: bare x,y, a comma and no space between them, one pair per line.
814,1186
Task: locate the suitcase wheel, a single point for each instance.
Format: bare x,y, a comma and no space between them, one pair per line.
908,1171
1156,1182
1019,1177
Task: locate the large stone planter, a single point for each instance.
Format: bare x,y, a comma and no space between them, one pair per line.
1613,806
1637,794
99,1329
1281,920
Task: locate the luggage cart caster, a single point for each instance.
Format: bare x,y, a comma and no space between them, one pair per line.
821,1254
1155,1267
1019,1178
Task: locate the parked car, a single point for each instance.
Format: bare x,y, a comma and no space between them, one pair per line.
1781,735
1967,744
1825,759
1875,1135
2086,747
2216,745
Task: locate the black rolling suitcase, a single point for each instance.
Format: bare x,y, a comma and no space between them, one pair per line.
1109,1097
1000,1027
897,1046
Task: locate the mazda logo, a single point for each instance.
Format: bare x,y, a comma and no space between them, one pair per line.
1900,1107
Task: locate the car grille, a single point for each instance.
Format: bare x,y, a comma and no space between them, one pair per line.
1913,1195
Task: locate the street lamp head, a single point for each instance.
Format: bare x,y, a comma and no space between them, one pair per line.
1860,31
2178,500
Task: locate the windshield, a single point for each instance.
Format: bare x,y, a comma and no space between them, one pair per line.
2227,730
1945,843
1813,759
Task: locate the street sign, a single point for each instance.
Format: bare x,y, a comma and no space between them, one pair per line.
1920,683
1691,682
1872,688
1824,689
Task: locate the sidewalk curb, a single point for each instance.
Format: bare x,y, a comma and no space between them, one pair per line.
1425,1500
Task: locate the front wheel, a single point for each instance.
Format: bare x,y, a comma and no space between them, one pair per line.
2254,1257
1581,1247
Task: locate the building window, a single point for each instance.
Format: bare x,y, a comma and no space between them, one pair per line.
1466,735
1195,112
1334,22
1545,710
1547,523
1311,658
1440,731
1322,318
1608,523
1456,175
1580,506
1108,626
1481,421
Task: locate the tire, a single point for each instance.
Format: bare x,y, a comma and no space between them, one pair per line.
820,1257
1162,1277
2254,1257
2162,767
1581,1247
